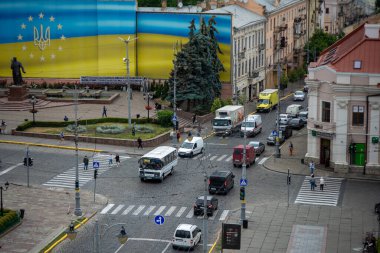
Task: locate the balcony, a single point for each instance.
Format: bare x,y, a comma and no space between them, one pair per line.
261,47
253,74
322,126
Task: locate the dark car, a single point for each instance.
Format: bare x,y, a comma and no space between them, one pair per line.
258,146
212,205
297,123
304,115
271,140
285,131
221,182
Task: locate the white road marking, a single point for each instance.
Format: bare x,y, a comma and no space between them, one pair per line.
117,209
262,161
159,210
170,211
129,208
181,211
190,214
221,158
229,159
107,208
224,214
147,239
149,210
213,215
10,168
138,210
213,157
167,246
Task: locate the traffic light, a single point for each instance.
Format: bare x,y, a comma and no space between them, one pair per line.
28,161
95,173
242,193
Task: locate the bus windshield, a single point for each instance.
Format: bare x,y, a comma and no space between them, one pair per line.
151,163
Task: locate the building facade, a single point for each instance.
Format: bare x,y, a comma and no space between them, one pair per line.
344,103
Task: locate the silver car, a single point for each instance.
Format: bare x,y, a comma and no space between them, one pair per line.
299,95
258,146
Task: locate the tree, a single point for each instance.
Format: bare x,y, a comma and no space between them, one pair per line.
377,6
197,68
317,43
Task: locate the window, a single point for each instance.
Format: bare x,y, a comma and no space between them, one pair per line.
357,115
326,28
327,10
357,64
326,107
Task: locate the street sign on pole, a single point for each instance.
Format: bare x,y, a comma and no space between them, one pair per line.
159,220
174,118
243,182
274,133
95,165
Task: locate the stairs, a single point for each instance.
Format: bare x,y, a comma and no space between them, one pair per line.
25,105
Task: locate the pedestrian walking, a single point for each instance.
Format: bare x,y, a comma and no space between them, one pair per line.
61,137
194,118
178,136
290,148
117,159
312,182
110,160
321,183
85,163
139,143
311,167
104,114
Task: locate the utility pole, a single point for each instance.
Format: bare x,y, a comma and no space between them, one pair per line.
78,211
27,164
175,50
278,152
244,170
205,217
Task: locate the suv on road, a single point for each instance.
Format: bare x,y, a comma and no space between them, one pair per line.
212,205
221,182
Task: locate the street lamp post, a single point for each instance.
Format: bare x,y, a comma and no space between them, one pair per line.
1,195
148,96
78,211
244,171
175,51
33,101
126,41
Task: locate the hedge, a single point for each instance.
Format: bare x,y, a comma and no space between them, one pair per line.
9,219
84,122
165,118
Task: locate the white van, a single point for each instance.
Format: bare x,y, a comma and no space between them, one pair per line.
294,110
191,146
252,124
186,236
158,163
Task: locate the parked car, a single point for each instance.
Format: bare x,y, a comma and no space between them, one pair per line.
221,182
258,146
237,156
191,146
304,115
212,205
284,119
271,140
186,236
306,88
294,110
285,131
297,123
299,95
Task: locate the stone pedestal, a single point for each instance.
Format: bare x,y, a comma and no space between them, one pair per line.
17,93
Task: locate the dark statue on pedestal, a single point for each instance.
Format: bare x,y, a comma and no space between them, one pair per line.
16,67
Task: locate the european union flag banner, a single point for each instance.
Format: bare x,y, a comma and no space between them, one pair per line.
67,39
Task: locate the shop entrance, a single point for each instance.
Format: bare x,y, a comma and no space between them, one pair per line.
325,152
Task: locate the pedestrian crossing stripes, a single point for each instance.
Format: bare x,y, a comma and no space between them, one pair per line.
220,158
328,197
67,178
167,211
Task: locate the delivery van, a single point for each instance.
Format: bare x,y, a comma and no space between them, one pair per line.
252,125
268,100
237,156
294,110
191,146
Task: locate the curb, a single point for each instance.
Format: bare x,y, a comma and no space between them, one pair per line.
49,146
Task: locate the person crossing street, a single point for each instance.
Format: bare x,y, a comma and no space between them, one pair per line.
85,163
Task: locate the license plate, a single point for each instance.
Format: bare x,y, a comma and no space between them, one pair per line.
149,175
236,160
213,189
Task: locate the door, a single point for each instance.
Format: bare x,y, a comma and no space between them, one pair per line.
325,152
359,157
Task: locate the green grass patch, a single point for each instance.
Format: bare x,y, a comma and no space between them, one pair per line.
91,131
8,220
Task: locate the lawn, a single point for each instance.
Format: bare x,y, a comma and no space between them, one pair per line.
127,134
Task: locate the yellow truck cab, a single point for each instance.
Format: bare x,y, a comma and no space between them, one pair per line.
268,100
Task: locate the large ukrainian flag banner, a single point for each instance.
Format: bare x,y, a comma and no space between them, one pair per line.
67,39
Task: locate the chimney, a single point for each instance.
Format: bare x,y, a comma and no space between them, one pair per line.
164,4
372,31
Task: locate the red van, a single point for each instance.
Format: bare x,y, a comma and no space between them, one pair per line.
237,157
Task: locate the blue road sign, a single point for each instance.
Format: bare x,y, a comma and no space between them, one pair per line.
174,118
159,220
95,165
274,133
243,182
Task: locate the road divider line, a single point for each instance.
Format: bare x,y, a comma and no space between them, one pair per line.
10,168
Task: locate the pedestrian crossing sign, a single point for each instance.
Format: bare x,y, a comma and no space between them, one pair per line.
243,182
95,165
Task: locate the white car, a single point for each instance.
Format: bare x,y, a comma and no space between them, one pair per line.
299,95
186,236
284,119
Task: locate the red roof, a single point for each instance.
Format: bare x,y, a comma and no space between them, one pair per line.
355,46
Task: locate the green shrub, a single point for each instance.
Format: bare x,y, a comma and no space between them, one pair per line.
216,104
227,101
143,129
80,128
165,118
110,129
9,219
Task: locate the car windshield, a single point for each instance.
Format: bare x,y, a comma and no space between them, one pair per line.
283,116
294,121
299,93
182,234
263,101
201,201
248,124
187,145
216,181
221,122
254,144
150,163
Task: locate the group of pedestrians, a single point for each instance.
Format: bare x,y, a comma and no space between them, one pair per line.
110,161
312,180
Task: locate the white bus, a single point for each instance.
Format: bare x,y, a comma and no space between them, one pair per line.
158,163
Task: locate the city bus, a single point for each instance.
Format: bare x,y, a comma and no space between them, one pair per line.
158,163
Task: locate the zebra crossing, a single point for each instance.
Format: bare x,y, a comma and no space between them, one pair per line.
217,158
328,197
166,211
67,178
